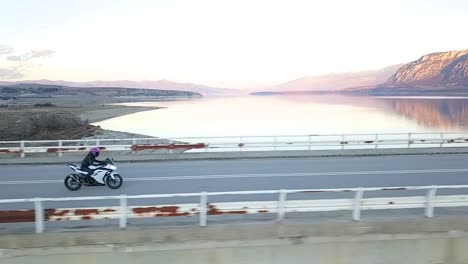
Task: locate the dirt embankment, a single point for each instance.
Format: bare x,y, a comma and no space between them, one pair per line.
52,122
30,125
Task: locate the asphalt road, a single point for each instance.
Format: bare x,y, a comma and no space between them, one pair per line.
242,175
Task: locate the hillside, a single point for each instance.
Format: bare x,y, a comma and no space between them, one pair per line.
447,70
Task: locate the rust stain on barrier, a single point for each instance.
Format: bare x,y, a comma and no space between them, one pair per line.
170,146
343,142
262,211
86,212
17,216
172,214
212,210
391,203
163,211
241,144
55,150
143,210
83,214
369,142
7,151
53,213
169,209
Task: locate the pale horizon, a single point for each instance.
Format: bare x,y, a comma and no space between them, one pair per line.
241,44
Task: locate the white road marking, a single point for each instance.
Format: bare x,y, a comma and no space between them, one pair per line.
265,175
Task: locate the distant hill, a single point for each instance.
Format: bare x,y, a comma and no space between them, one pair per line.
334,81
157,85
25,90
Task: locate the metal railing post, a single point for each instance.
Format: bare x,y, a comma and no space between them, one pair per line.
203,211
342,141
310,142
275,142
357,204
441,140
97,142
123,211
39,216
431,193
376,140
22,149
409,140
133,144
60,148
281,205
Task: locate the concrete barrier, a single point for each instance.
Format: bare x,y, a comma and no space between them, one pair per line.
406,241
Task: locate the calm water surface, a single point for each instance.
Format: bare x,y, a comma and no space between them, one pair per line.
296,115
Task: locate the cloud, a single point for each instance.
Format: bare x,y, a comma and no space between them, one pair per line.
11,73
4,49
34,54
18,66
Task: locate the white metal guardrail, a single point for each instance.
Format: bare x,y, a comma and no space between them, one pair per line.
204,208
242,143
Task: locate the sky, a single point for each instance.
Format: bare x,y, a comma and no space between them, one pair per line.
232,44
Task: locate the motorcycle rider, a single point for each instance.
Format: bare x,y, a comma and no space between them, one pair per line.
90,159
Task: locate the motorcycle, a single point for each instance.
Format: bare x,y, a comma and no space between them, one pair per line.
102,175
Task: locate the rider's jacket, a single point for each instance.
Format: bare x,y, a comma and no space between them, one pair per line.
90,160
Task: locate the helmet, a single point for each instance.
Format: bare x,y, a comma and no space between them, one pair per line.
95,151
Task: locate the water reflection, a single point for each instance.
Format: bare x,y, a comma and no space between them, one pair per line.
444,113
298,114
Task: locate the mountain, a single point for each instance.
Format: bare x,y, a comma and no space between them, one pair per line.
335,81
157,85
447,70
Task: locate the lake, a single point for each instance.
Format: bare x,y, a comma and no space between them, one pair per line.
295,115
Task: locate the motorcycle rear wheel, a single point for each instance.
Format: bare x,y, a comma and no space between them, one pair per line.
72,184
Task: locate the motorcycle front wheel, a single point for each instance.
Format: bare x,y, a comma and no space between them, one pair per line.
114,183
72,184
